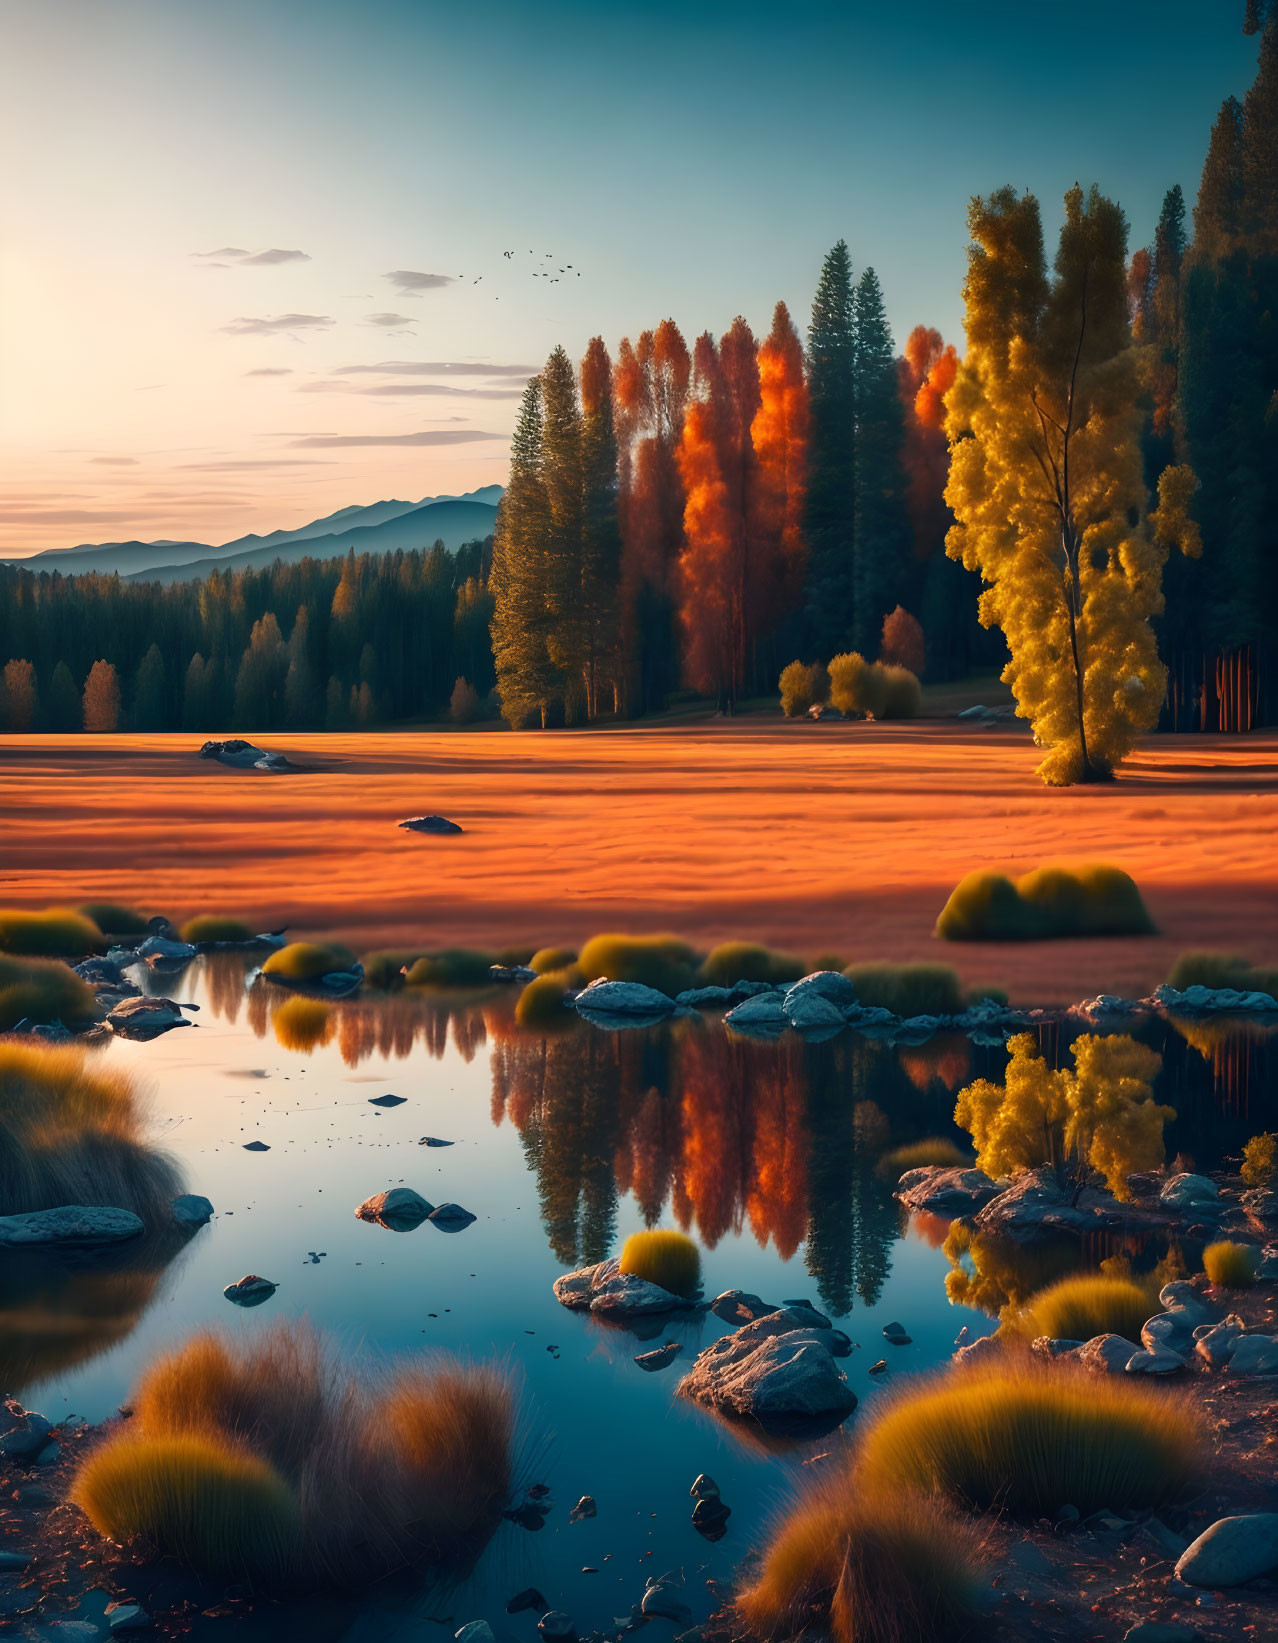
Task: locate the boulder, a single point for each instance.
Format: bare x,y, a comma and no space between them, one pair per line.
1255,1355
250,1290
984,1349
660,1358
661,1598
610,1293
1233,1551
511,972
191,1210
70,1226
1034,1206
810,1013
430,824
623,1000
557,1627
778,1371
1189,1191
738,1306
704,998
1160,1361
242,755
704,1487
1107,1354
1215,1343
825,712
870,1018
1107,1006
26,1437
1213,1001
894,1334
399,1208
948,1190
763,1015
451,1218
145,1018
1262,1202
1053,1346
831,985
1181,1296
475,1631
585,1507
1169,1332
126,1616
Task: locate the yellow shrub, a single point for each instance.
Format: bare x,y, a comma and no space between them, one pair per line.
114,920
1260,1160
907,989
1094,899
58,932
214,927
452,967
552,958
1233,1266
541,1003
1078,1307
931,1150
733,961
668,1259
306,961
663,962
852,683
42,990
303,1023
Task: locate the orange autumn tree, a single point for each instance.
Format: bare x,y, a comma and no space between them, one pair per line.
779,435
926,374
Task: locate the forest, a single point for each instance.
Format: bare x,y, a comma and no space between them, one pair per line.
1085,496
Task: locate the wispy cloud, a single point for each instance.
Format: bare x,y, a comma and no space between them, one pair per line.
227,254
436,368
250,326
389,320
429,436
115,461
408,282
76,516
244,465
270,371
396,389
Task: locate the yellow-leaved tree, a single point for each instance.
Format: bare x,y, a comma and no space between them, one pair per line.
1098,1116
1044,422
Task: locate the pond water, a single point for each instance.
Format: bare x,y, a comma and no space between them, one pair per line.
766,1153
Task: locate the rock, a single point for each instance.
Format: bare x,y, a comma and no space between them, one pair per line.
1161,1631
777,1370
1262,1202
1105,1006
430,824
1215,1343
191,1210
660,1358
250,1290
825,713
894,1335
741,990
870,1019
341,982
451,1218
1107,1354
1233,1551
762,1014
127,1616
606,1290
1255,1355
1189,1191
1213,1001
433,1141
1167,1332
704,1487
1053,1346
71,1226
1035,1207
256,1146
1160,1361
738,1306
475,1631
984,1349
1180,1296
511,972
163,953
529,1598
242,755
810,1013
830,985
710,1516
1164,1539
584,1508
661,1597
557,1627
387,1100
878,1368
49,1454
704,998
15,1562
807,1311
27,1438
623,1000
399,1208
841,1345
948,1190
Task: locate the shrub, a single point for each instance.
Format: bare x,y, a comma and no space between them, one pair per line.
734,961
546,959
58,932
1093,900
907,989
451,967
114,920
896,693
512,956
1233,1266
930,1150
208,1502
463,704
214,927
669,1259
70,1134
1260,1160
1078,1307
303,1023
1033,1439
384,970
663,962
852,683
541,1003
307,961
902,642
42,990
453,1431
796,690
1216,970
897,1569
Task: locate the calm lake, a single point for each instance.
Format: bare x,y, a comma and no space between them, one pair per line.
766,1153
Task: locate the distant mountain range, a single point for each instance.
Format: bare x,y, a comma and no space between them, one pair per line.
380,527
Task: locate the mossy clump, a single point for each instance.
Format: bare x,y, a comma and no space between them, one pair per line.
1260,1160
668,1259
268,1461
546,959
1092,900
58,932
303,1023
542,1003
733,961
1082,1305
115,920
664,962
211,927
42,990
932,1151
907,989
452,967
304,962
899,1568
1218,970
1232,1266
1030,1439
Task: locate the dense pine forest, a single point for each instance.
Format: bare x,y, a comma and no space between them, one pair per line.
694,516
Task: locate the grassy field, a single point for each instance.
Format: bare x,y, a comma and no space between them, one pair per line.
841,838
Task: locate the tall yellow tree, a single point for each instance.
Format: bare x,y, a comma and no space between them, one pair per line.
1046,485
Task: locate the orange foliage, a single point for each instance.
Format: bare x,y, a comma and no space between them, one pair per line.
902,642
779,435
925,375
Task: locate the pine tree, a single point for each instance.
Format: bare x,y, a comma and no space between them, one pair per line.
831,489
881,530
101,700
526,678
150,695
601,528
567,639
197,704
1217,213
64,701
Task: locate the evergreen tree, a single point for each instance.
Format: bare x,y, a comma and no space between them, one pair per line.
526,678
196,696
881,532
64,701
567,639
150,695
601,528
831,492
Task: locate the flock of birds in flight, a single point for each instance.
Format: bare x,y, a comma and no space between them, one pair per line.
543,273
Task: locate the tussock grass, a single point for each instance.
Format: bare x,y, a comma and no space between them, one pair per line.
663,962
452,967
44,990
214,927
541,1003
669,1259
1092,900
406,1468
1032,1439
303,962
899,1568
113,919
546,959
930,1150
1086,1304
58,932
733,961
70,1133
384,969
1233,1266
1217,970
303,1023
907,989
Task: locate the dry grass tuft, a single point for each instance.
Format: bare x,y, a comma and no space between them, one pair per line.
669,1259
1092,900
663,962
1086,1304
1233,1266
303,1023
1032,1439
43,990
304,962
113,919
546,959
733,961
541,1003
907,989
899,1568
452,967
214,927
58,932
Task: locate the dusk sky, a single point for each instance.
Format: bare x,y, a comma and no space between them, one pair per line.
253,262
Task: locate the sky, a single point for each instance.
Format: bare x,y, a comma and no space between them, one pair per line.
252,262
